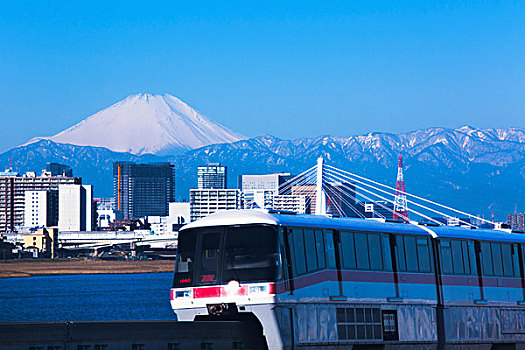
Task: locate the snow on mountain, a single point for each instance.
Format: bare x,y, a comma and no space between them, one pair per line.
145,123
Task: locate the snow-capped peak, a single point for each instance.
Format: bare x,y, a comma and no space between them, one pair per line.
146,123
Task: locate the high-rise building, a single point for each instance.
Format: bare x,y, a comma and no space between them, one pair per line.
143,189
56,169
41,208
12,194
259,190
516,221
75,208
212,176
206,202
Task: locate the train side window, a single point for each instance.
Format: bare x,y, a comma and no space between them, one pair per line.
298,251
515,259
457,257
387,258
496,259
472,258
311,254
446,257
506,253
423,255
486,257
319,245
363,262
374,245
330,249
411,253
400,250
466,259
348,250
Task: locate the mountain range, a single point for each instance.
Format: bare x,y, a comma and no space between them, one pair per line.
477,170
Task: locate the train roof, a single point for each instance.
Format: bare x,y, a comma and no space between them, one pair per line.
265,217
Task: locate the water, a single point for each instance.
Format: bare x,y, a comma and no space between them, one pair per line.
119,297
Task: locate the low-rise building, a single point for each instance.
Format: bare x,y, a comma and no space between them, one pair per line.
42,242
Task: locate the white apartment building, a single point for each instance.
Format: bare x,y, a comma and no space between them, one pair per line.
299,204
75,208
40,208
204,202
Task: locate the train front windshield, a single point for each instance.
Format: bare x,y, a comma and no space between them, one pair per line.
218,255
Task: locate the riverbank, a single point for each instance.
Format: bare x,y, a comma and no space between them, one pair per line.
48,267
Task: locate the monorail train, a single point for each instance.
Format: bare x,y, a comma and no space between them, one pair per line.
319,282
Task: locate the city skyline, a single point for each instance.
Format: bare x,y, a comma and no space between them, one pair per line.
400,67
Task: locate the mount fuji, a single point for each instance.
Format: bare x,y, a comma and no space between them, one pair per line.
146,124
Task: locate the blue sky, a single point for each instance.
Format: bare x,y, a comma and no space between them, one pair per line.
290,68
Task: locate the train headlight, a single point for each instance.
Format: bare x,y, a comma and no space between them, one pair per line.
184,293
258,290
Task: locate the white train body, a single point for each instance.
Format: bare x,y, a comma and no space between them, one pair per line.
319,282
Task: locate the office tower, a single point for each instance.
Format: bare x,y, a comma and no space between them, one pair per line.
56,169
516,221
143,189
299,204
204,202
12,194
75,208
259,190
212,176
41,208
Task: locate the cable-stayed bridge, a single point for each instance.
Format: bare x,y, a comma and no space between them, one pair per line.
343,193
